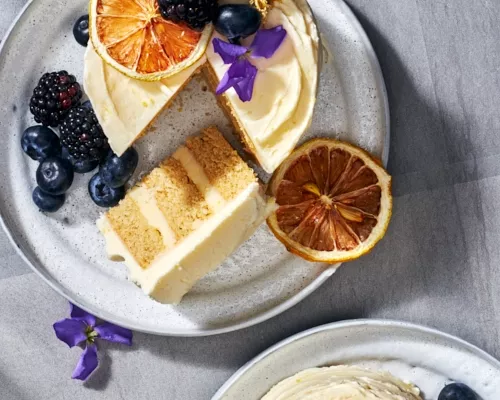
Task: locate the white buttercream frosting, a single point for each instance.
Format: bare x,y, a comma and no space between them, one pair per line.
284,93
343,383
173,273
125,107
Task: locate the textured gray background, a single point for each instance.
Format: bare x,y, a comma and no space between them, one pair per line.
439,264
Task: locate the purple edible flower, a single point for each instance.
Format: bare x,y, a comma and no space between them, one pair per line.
82,329
241,74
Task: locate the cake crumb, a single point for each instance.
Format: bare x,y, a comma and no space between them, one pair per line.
221,163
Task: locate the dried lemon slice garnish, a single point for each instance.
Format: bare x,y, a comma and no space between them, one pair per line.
133,37
334,201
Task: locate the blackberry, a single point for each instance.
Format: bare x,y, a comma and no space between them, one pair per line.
82,135
196,13
55,94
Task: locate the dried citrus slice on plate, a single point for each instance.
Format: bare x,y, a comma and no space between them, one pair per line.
133,37
334,201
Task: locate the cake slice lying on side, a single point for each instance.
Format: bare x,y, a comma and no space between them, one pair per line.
183,219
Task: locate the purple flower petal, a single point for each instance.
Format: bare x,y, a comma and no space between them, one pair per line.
234,74
70,331
241,76
114,333
244,88
267,41
79,314
228,52
87,363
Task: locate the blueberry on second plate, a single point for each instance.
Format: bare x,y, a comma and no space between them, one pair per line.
79,166
81,30
102,194
457,391
40,142
54,175
116,171
47,202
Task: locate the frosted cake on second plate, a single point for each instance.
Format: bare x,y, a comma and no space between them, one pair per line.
183,219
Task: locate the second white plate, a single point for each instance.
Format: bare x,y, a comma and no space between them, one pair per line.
428,358
258,281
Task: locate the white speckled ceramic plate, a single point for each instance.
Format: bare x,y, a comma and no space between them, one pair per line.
428,358
257,282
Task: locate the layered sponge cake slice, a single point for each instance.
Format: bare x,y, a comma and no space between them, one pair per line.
183,219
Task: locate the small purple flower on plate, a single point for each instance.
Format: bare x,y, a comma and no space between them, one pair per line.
242,73
83,329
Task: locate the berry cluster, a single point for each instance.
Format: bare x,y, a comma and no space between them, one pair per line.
81,146
234,21
58,165
56,102
196,13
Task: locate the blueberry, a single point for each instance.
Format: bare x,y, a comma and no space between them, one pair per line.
65,155
79,166
87,104
116,171
47,202
102,194
84,166
457,391
54,175
40,142
81,30
237,21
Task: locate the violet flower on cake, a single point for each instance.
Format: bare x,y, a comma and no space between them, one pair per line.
82,329
242,73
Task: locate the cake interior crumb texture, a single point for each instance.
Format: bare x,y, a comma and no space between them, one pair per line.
226,171
178,198
143,241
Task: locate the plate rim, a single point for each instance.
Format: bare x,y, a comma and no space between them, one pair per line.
359,323
263,316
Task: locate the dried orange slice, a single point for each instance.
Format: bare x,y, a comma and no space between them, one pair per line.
334,201
133,37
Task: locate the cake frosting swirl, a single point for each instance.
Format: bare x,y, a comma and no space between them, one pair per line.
343,383
284,94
